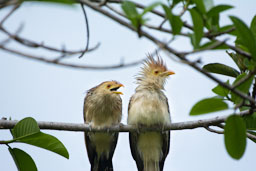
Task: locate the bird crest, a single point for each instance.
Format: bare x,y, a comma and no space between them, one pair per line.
151,63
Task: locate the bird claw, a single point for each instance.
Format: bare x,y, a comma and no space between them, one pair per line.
90,126
108,130
139,127
163,129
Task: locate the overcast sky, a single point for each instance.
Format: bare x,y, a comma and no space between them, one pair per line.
51,93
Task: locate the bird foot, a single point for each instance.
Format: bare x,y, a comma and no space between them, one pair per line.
90,126
159,126
140,127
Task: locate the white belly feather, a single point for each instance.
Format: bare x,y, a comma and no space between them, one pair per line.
149,109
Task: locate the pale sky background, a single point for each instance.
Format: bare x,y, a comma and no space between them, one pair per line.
51,93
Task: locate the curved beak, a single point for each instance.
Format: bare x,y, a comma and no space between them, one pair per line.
117,87
167,73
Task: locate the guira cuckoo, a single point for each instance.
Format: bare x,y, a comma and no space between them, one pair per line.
149,107
102,108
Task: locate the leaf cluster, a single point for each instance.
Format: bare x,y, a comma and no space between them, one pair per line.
27,131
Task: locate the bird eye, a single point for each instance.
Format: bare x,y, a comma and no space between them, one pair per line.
108,86
156,72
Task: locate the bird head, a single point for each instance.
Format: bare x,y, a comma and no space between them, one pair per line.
154,73
110,87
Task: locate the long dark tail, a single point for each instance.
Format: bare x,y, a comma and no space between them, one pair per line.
102,164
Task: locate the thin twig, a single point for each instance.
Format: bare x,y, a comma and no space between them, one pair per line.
87,31
244,79
162,23
33,44
56,62
213,46
17,32
213,130
213,35
9,14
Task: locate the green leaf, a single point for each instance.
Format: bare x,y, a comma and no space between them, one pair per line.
222,69
221,91
45,141
218,9
253,26
175,21
235,136
150,8
207,106
245,35
244,87
23,160
132,14
27,131
198,27
238,59
200,6
250,121
25,127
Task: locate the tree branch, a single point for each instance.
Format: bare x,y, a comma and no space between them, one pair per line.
33,44
9,124
57,62
164,46
244,79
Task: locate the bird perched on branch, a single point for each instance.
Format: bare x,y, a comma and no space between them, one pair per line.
149,107
102,108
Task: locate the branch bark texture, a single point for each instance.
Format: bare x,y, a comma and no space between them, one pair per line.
8,124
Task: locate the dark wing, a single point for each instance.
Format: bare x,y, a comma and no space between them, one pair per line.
105,162
166,142
91,151
133,138
165,148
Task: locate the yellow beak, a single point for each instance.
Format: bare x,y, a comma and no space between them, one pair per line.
118,92
167,73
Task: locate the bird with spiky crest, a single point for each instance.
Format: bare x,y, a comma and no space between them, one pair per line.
149,107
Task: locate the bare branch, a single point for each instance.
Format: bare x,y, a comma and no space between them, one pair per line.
56,62
7,124
213,46
87,30
33,44
213,130
9,14
213,35
251,136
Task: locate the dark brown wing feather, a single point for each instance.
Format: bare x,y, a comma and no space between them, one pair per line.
166,142
165,148
133,139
